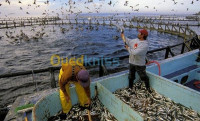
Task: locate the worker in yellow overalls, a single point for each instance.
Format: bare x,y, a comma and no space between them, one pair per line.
79,76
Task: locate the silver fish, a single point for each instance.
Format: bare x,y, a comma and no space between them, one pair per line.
98,111
153,106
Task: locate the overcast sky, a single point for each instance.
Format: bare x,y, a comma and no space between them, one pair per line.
59,7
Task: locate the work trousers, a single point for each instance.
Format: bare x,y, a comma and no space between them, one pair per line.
82,96
141,70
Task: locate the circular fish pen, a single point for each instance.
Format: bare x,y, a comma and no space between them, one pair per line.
96,38
30,44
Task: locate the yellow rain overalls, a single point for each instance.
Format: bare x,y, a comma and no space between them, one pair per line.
66,72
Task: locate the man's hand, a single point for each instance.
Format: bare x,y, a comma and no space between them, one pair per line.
126,46
88,105
89,102
67,99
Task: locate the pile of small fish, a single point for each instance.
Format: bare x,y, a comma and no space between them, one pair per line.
97,111
153,106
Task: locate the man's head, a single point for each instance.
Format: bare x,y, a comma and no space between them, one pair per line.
83,78
142,35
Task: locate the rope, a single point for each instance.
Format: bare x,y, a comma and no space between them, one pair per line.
196,84
156,62
34,81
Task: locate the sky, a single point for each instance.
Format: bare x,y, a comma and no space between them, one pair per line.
17,8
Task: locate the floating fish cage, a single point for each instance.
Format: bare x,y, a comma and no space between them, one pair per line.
169,100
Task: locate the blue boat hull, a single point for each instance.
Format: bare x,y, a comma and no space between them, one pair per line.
50,105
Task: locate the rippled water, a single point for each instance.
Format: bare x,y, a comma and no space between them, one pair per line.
35,54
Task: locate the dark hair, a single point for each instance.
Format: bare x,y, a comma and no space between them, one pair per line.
145,37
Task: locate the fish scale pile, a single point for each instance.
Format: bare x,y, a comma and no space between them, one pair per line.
98,113
153,106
